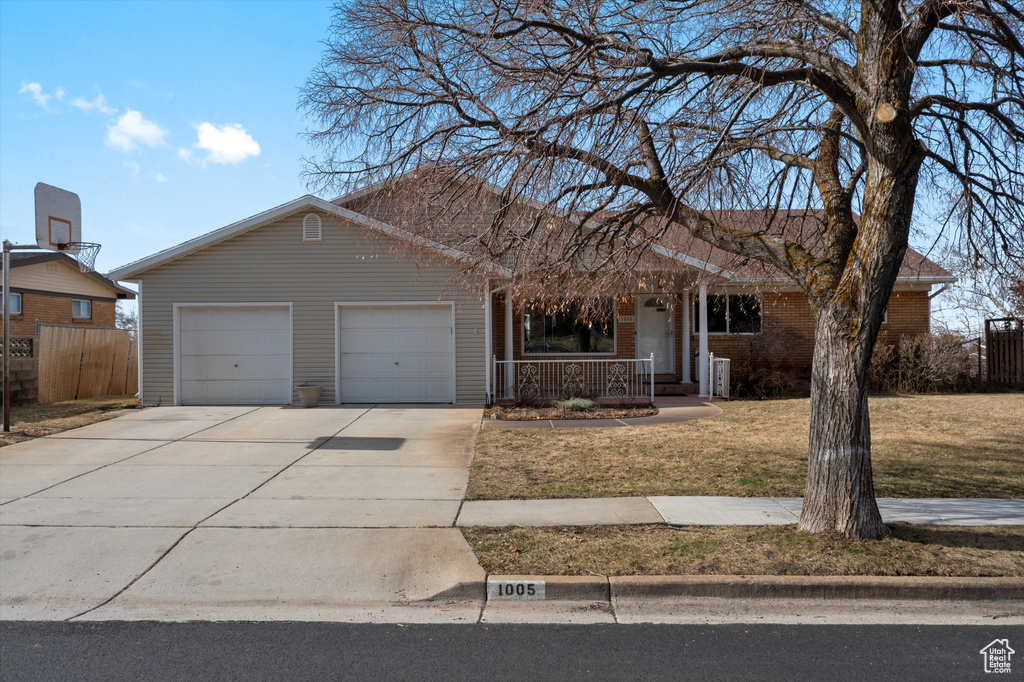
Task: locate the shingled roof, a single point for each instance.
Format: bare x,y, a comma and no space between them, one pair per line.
413,211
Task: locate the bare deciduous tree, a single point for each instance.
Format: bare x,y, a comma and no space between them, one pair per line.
645,117
981,292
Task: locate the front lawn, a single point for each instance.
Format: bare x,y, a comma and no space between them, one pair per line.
744,550
33,421
969,445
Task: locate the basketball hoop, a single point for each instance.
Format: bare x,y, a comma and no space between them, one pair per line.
85,252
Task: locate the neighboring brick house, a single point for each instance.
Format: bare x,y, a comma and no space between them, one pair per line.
48,287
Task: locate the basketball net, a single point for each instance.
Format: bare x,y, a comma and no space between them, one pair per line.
85,252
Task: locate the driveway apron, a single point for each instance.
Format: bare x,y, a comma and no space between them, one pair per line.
240,513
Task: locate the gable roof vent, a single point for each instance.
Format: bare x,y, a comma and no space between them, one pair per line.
312,228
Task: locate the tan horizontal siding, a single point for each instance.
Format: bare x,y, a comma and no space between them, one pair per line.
272,264
59,276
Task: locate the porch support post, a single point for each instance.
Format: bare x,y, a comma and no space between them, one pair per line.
686,336
509,368
702,330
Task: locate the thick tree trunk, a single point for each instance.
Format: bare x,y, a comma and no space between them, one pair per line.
840,494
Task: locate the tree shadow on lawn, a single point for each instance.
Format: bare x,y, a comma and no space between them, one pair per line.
1011,539
991,467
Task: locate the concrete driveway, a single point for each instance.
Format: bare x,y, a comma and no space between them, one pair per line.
240,513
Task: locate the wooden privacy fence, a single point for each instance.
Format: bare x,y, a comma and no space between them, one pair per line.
1004,340
81,362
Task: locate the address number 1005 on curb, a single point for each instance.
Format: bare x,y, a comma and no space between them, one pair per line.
515,589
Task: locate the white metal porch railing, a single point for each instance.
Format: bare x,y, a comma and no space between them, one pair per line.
543,380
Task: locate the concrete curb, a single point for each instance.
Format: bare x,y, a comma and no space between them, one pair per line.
471,590
821,587
564,587
912,588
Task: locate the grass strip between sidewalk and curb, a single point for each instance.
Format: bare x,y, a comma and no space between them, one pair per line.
35,421
657,550
967,445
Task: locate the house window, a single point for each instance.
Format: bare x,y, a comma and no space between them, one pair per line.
732,314
569,330
885,315
81,309
15,303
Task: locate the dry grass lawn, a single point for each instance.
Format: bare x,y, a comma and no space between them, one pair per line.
33,421
762,550
969,445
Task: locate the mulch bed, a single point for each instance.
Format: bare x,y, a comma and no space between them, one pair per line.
513,413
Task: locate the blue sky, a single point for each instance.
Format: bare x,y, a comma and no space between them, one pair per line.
168,119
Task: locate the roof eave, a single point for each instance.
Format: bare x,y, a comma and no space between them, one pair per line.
132,270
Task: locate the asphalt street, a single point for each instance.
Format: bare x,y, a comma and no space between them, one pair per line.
150,651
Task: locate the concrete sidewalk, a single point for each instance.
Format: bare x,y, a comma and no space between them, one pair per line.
725,511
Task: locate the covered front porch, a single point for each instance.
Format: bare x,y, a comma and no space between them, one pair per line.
631,348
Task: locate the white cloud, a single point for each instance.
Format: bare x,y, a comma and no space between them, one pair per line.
40,97
134,167
225,144
99,104
160,177
131,130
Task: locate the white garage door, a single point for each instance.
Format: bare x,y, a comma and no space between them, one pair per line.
396,354
234,355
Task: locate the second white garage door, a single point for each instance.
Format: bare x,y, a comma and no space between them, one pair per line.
234,355
396,354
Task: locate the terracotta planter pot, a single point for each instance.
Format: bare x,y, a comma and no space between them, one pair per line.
309,395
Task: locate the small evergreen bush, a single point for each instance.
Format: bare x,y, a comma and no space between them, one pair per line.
578,404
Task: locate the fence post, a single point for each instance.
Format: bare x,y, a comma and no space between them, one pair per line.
711,375
979,363
652,378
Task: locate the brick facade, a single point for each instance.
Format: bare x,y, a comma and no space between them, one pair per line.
787,330
56,309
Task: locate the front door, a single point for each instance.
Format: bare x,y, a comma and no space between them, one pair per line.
654,330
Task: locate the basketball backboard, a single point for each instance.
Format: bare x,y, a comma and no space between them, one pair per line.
58,217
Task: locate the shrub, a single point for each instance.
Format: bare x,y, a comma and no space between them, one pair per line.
927,363
765,369
579,404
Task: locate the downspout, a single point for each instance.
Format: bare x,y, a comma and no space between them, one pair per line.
930,297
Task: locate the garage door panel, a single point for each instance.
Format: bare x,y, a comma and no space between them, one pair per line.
421,340
234,367
234,355
374,338
242,318
364,339
234,342
355,365
438,365
234,393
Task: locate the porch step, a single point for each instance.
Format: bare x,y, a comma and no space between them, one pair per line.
676,389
